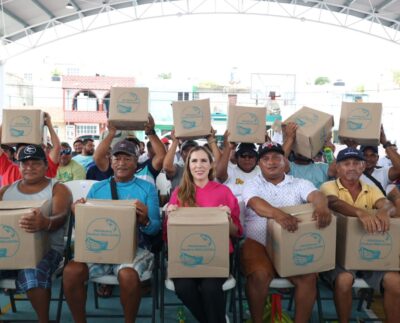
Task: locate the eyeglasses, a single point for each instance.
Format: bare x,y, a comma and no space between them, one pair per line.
66,151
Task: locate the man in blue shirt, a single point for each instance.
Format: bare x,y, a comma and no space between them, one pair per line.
144,198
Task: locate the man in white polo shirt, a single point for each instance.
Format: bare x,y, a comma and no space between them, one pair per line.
263,195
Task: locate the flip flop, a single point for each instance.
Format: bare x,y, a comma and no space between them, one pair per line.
104,291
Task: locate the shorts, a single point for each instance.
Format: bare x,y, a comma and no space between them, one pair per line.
372,278
142,264
39,277
254,257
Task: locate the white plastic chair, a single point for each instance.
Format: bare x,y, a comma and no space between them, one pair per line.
79,188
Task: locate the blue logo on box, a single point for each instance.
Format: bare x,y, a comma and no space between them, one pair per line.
197,249
358,119
192,117
102,235
9,241
308,248
247,124
20,126
306,120
128,102
375,247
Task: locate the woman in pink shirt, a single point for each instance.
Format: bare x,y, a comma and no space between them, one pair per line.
204,296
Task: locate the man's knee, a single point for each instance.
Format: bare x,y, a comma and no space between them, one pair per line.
344,282
75,272
128,279
260,279
391,284
308,281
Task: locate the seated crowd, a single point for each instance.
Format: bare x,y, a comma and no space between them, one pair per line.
249,182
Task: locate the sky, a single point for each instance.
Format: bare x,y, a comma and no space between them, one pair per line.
208,47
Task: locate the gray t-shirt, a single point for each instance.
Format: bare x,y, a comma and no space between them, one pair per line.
56,238
175,181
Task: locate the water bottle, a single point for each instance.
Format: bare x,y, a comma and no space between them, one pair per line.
328,154
180,315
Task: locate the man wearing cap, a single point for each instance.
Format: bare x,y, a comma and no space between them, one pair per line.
303,167
10,172
144,198
350,196
69,169
263,196
149,169
381,177
245,169
34,185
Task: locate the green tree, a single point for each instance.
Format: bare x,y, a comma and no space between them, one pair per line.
321,80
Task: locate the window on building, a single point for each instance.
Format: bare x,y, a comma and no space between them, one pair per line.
86,129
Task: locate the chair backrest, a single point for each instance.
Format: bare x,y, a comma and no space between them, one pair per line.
79,188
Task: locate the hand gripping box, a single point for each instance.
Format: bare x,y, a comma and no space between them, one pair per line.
129,107
314,127
192,119
246,124
359,250
20,249
105,231
198,243
361,122
22,125
308,250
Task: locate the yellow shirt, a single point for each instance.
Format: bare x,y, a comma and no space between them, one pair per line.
365,200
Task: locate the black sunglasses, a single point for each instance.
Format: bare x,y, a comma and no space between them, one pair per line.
66,151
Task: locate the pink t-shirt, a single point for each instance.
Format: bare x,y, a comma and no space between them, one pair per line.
213,195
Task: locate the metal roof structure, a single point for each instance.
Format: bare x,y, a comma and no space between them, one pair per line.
27,24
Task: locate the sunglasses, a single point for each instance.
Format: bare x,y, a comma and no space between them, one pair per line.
66,151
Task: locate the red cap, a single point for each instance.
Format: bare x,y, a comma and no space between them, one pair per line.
165,140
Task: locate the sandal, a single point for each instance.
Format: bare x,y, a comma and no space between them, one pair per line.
104,291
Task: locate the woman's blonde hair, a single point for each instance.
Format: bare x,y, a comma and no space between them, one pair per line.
187,188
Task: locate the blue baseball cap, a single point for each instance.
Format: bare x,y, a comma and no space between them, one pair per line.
349,153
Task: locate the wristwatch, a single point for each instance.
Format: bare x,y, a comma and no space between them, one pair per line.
387,144
150,132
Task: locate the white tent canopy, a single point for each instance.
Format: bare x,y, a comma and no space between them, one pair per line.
27,24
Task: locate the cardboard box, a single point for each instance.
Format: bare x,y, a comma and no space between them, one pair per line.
22,126
358,250
246,124
129,108
314,127
20,249
192,119
308,250
105,232
198,243
361,122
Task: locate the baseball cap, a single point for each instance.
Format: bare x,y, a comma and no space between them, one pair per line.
349,153
189,144
270,146
373,148
31,152
127,147
246,148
